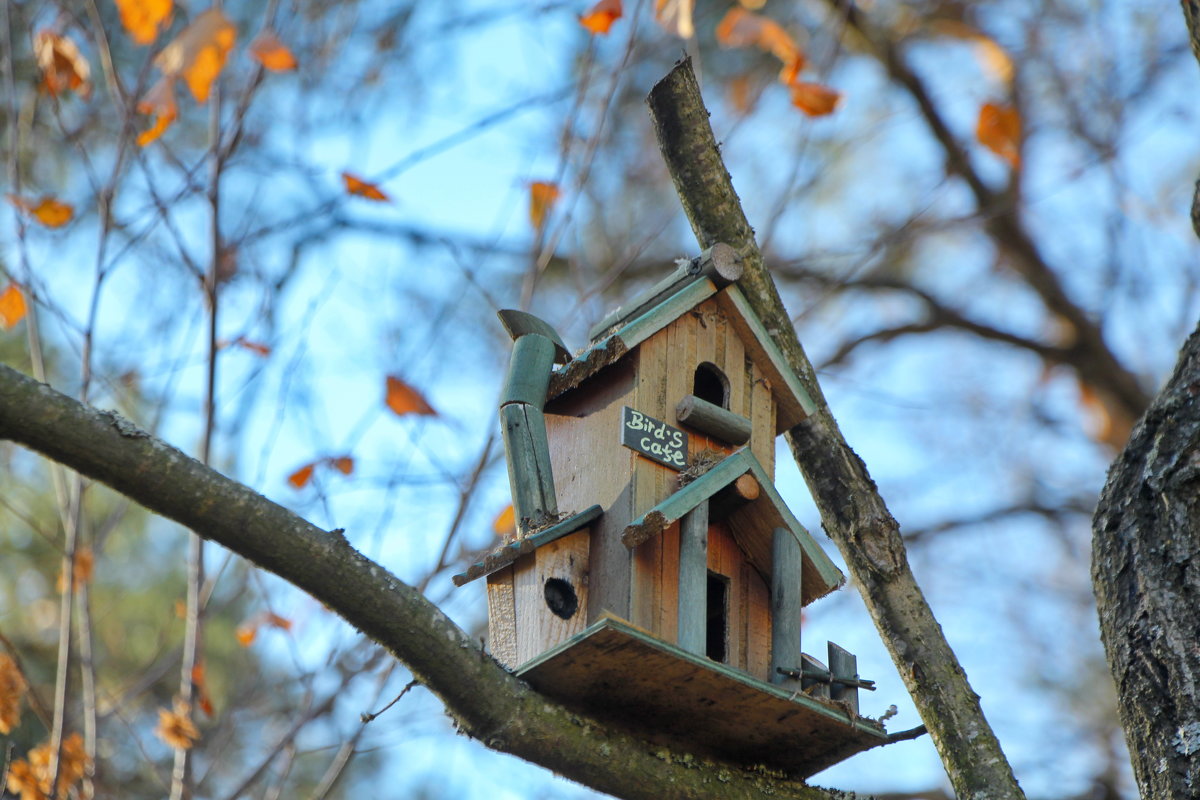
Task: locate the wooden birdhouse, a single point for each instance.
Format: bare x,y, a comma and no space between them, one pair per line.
657,577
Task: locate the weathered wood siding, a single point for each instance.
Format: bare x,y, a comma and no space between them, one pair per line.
591,467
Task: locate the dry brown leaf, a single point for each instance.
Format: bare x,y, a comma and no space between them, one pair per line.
542,197
999,130
12,692
276,621
343,464
81,572
197,55
145,19
63,67
814,99
742,28
246,634
357,186
12,307
160,102
404,399
176,727
600,17
46,210
505,524
300,478
273,54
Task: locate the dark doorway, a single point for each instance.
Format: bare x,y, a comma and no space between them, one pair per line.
710,384
717,632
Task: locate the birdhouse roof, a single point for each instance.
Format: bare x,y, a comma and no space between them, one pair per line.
624,330
752,525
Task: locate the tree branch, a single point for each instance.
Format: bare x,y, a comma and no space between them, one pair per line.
852,511
485,701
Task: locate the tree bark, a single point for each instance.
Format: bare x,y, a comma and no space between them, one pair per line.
484,700
1146,576
852,511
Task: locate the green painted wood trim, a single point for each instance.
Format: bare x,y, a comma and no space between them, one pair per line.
706,663
776,357
529,368
786,606
501,557
720,263
521,323
530,475
843,664
730,469
693,580
660,316
706,417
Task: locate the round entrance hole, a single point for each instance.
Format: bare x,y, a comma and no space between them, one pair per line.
560,597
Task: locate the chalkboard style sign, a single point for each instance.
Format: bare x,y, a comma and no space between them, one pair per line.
654,439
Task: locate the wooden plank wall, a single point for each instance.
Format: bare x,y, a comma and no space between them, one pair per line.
666,366
591,467
537,627
748,646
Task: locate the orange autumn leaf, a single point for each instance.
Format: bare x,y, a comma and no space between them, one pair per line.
300,478
273,54
404,399
814,99
197,55
999,130
12,692
81,571
63,68
601,16
343,464
31,779
12,307
542,197
505,524
742,28
160,102
258,348
276,621
357,186
202,698
176,727
790,74
46,210
246,634
144,19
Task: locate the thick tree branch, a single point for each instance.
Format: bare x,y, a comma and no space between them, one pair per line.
852,511
1146,576
485,701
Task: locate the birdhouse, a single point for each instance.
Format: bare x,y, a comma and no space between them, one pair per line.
657,577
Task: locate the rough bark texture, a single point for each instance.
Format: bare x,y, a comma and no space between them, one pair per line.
852,511
1146,576
484,700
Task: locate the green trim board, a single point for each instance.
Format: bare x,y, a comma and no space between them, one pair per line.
628,676
503,556
752,525
795,404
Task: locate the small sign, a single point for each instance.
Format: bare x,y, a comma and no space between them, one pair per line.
654,439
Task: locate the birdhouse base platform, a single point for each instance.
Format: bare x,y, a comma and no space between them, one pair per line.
618,672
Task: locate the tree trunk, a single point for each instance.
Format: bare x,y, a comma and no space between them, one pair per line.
1146,576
